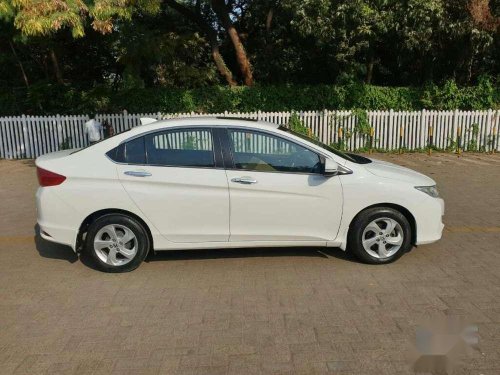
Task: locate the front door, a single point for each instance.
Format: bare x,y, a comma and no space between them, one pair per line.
172,177
278,192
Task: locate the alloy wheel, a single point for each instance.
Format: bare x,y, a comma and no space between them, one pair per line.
382,238
115,244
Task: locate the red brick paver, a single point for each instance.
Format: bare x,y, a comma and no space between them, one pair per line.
251,311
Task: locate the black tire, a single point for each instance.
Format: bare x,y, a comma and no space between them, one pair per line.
143,243
355,236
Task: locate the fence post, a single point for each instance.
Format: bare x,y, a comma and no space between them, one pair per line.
487,129
125,119
495,133
421,131
454,125
59,138
26,142
340,138
400,139
2,137
431,138
372,132
390,129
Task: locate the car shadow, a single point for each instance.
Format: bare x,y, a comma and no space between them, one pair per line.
53,250
258,252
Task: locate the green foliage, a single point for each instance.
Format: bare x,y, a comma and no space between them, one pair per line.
190,143
296,125
47,98
152,43
362,124
340,145
452,143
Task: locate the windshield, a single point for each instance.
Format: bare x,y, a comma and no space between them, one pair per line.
358,159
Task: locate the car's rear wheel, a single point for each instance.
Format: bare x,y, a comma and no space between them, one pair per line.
380,235
116,243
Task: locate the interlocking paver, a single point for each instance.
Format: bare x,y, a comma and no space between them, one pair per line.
251,311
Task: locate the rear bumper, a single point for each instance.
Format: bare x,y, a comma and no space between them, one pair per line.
50,210
430,221
56,234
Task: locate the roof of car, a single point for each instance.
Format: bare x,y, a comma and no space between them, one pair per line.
215,121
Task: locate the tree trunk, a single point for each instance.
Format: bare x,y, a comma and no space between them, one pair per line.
269,20
55,64
219,6
221,65
210,34
241,56
21,67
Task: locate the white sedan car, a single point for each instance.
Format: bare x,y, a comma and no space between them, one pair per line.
198,183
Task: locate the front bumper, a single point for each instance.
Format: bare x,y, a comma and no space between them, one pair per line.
429,220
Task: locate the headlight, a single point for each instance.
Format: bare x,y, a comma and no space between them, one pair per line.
430,190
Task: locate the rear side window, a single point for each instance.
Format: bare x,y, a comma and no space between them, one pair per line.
182,148
134,151
131,152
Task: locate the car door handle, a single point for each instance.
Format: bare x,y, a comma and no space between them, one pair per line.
138,173
244,180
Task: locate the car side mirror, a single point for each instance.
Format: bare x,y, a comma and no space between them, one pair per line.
331,168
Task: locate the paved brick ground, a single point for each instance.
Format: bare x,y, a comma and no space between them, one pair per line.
261,311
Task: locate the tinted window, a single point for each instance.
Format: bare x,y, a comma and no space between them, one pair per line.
184,148
130,152
134,151
263,152
348,156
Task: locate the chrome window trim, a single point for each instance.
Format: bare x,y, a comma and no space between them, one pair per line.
279,134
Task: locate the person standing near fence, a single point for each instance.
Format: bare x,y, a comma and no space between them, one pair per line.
108,129
93,130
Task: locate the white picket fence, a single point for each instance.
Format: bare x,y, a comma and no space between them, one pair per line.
32,136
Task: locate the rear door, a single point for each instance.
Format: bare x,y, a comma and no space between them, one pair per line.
278,191
176,179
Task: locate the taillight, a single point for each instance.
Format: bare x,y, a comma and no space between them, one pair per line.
48,178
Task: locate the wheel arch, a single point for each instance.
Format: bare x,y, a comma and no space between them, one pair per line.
404,211
97,214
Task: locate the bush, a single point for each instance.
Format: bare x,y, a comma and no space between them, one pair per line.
52,99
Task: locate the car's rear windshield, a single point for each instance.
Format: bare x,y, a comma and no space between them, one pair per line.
358,159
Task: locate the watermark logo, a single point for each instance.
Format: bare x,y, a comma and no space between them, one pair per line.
441,343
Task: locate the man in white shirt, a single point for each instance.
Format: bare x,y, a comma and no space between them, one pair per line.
93,130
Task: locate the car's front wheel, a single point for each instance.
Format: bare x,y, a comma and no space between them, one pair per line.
379,235
116,243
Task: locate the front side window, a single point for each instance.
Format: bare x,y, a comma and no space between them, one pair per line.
257,151
183,148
